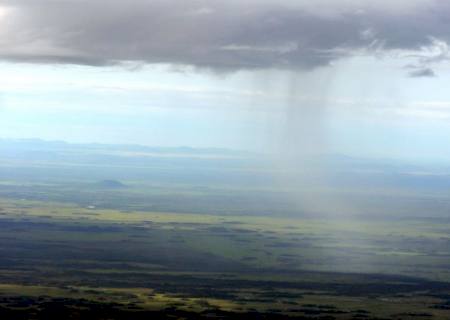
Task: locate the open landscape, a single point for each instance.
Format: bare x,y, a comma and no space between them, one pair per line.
99,244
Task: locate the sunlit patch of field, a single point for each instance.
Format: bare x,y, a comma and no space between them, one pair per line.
310,303
141,297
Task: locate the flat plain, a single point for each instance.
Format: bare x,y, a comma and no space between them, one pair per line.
98,245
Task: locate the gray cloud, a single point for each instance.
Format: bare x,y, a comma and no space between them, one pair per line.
221,35
422,73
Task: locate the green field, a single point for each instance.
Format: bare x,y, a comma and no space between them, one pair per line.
197,262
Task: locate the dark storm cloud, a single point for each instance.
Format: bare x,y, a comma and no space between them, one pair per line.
221,35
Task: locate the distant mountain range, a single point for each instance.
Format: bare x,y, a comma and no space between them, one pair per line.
38,144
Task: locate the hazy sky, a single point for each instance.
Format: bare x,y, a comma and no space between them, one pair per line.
367,78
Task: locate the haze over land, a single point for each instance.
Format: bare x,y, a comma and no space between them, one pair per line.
224,181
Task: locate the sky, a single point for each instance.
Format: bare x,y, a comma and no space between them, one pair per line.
364,78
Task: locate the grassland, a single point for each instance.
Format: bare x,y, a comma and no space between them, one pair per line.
227,265
189,234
